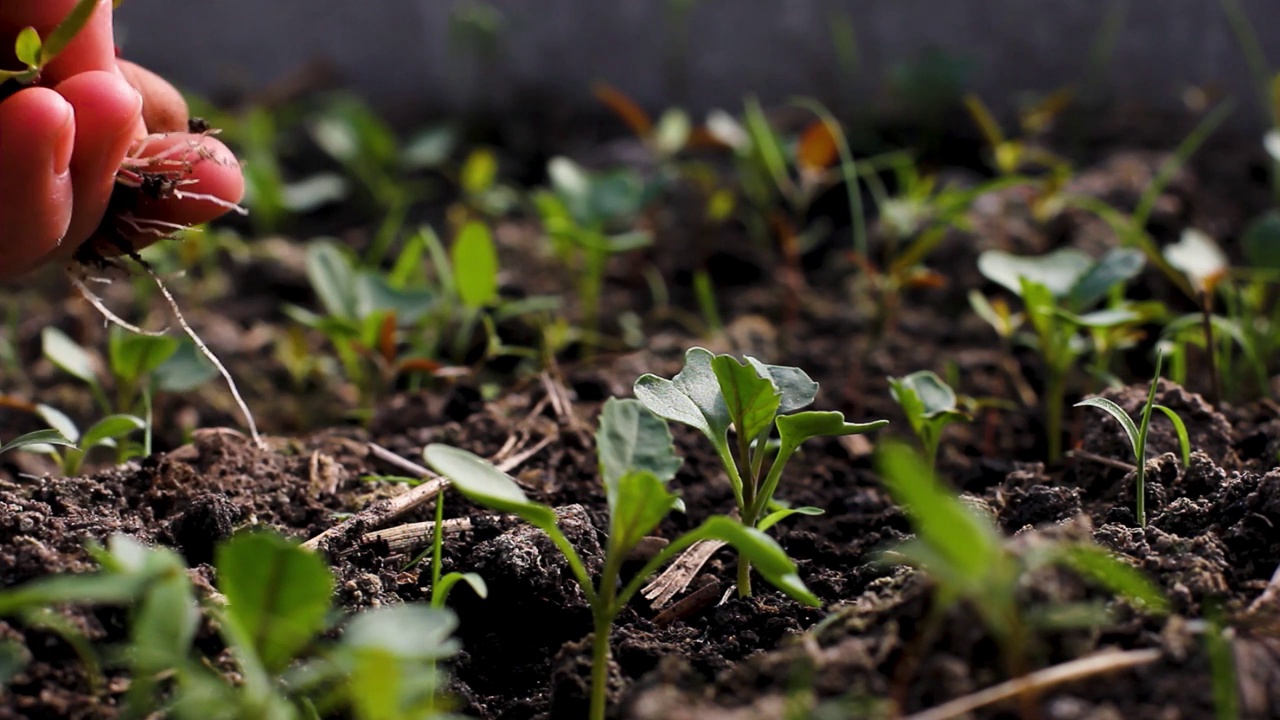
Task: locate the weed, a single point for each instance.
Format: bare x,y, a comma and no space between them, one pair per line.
715,392
637,458
1137,435
930,405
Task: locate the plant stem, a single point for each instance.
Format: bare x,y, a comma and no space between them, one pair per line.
744,577
600,666
437,547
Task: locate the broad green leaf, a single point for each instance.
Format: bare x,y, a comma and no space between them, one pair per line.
1179,427
763,552
111,427
1059,271
374,294
1198,257
631,438
642,502
27,47
332,278
63,352
39,437
1116,575
475,265
692,397
278,594
795,429
59,421
406,632
797,389
164,624
1122,417
1117,266
485,484
479,171
132,356
961,540
614,196
184,371
1261,241
752,400
935,395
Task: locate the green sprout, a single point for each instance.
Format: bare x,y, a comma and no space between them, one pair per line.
715,392
278,603
1137,435
46,437
637,458
109,432
1058,291
930,405
969,562
35,52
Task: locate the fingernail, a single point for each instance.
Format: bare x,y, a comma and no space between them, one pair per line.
64,142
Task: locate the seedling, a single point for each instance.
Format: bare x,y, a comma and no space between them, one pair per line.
277,603
1058,290
49,437
109,432
930,405
715,392
637,458
968,560
1137,435
35,52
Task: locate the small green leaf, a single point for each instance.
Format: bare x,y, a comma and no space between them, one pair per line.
374,295
781,514
795,429
479,171
1059,271
475,265
642,502
631,438
27,47
1114,574
1179,427
165,624
59,421
934,395
797,389
278,594
763,552
185,370
63,352
752,400
132,356
486,485
1122,417
112,427
1118,265
692,397
39,437
332,277
473,580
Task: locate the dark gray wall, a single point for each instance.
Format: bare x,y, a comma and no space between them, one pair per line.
398,52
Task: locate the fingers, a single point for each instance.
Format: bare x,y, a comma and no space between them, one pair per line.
163,107
37,134
210,178
107,110
92,49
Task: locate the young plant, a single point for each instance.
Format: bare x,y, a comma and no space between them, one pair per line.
1058,291
109,432
637,458
277,604
930,405
715,392
1137,435
48,437
35,52
969,561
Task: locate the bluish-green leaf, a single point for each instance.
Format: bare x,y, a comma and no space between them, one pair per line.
486,485
751,399
132,356
1118,265
184,371
278,594
631,438
332,277
375,294
475,265
692,397
935,395
797,389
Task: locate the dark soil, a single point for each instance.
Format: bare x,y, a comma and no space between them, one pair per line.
1213,536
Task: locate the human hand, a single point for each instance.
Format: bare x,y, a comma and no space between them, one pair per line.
63,140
